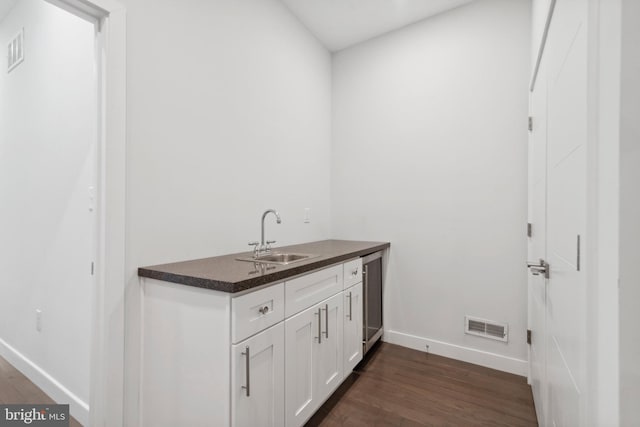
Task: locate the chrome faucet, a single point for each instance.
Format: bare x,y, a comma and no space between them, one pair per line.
262,248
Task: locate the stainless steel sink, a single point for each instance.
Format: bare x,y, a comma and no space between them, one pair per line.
279,258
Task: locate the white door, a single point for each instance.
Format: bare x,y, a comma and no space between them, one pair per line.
352,328
561,389
257,385
330,354
538,245
302,336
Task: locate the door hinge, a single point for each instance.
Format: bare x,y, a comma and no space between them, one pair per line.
530,123
529,229
528,336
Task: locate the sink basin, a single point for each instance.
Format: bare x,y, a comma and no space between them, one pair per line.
279,258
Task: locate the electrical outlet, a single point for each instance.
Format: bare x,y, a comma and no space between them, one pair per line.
38,320
307,215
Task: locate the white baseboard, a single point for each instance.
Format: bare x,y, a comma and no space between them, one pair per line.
453,351
53,388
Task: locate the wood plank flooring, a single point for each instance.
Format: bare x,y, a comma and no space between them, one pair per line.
15,388
397,386
394,386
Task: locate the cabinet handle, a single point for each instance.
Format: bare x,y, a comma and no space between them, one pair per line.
354,272
264,310
326,320
319,313
247,367
350,308
365,305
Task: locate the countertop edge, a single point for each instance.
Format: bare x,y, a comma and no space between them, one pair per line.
231,287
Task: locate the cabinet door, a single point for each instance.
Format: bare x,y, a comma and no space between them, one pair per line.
301,342
257,383
352,327
330,354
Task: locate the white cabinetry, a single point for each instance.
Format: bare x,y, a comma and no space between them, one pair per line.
352,272
314,358
307,290
352,327
256,311
269,357
257,384
301,341
329,373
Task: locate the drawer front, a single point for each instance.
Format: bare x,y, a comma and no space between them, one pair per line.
352,272
305,291
255,311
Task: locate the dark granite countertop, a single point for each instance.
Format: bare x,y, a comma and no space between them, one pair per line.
226,274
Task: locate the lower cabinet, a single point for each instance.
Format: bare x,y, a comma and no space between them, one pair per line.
270,357
352,328
314,341
257,383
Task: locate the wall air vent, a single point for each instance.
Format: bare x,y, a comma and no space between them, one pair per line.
15,51
486,328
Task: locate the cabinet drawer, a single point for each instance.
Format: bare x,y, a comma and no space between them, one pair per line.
255,311
352,272
308,290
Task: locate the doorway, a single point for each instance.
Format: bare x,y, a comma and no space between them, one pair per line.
106,354
48,184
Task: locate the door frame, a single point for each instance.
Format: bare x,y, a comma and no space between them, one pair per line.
107,344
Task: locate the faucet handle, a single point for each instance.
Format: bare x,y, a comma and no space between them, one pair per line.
269,242
255,248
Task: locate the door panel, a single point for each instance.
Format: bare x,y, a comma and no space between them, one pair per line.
301,339
352,328
265,404
330,351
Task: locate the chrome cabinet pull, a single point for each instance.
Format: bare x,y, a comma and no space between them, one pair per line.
354,272
319,313
350,308
263,310
247,367
326,320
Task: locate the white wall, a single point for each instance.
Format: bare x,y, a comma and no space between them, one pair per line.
229,113
47,163
629,215
430,153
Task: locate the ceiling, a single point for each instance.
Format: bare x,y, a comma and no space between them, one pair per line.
342,23
5,7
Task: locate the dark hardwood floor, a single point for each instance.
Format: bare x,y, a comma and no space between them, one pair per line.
15,388
397,386
393,386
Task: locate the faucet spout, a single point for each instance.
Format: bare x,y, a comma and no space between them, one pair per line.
264,215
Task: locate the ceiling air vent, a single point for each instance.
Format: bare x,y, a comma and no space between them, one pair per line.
15,51
486,328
